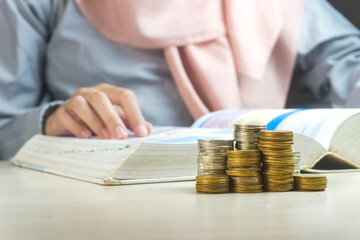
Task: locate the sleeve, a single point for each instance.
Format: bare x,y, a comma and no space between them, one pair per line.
328,62
24,31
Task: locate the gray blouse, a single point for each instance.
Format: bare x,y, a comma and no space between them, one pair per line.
48,50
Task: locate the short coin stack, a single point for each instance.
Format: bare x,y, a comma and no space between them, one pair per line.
297,156
212,165
278,160
310,182
212,184
244,168
212,156
247,136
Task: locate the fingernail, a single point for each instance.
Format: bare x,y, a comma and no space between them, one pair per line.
149,127
120,132
105,133
141,131
84,134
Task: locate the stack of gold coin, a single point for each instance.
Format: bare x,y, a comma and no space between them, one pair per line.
212,156
247,136
297,157
310,182
278,160
244,170
212,184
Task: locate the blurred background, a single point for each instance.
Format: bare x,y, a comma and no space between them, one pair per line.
305,99
350,8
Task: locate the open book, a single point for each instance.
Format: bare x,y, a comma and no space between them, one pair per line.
328,139
168,154
331,136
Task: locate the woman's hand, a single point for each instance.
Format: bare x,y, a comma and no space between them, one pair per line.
105,110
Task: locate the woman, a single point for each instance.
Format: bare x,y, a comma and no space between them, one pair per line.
123,64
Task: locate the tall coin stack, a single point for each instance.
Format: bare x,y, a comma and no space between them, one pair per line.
247,136
278,160
310,182
297,157
244,168
212,166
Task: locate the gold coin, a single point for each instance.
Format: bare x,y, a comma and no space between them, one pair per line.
278,187
278,181
277,153
276,139
269,147
243,172
238,188
310,176
204,189
276,133
269,142
211,172
213,185
309,190
279,163
224,149
283,172
248,128
275,148
252,179
247,185
251,159
310,182
243,165
317,183
246,191
277,157
243,154
245,160
216,179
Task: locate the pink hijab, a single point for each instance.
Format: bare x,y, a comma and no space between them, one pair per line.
222,53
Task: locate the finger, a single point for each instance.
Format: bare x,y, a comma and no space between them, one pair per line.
100,102
127,100
73,126
120,112
149,127
123,117
81,108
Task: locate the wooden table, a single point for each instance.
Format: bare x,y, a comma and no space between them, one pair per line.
35,205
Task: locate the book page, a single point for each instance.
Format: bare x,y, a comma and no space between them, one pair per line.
226,118
99,160
319,124
346,140
219,119
86,157
178,135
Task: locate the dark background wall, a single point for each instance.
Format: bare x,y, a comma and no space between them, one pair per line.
304,98
350,8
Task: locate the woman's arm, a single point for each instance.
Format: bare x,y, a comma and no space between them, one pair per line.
329,55
24,30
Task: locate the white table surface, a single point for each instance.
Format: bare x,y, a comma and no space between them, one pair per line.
35,205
